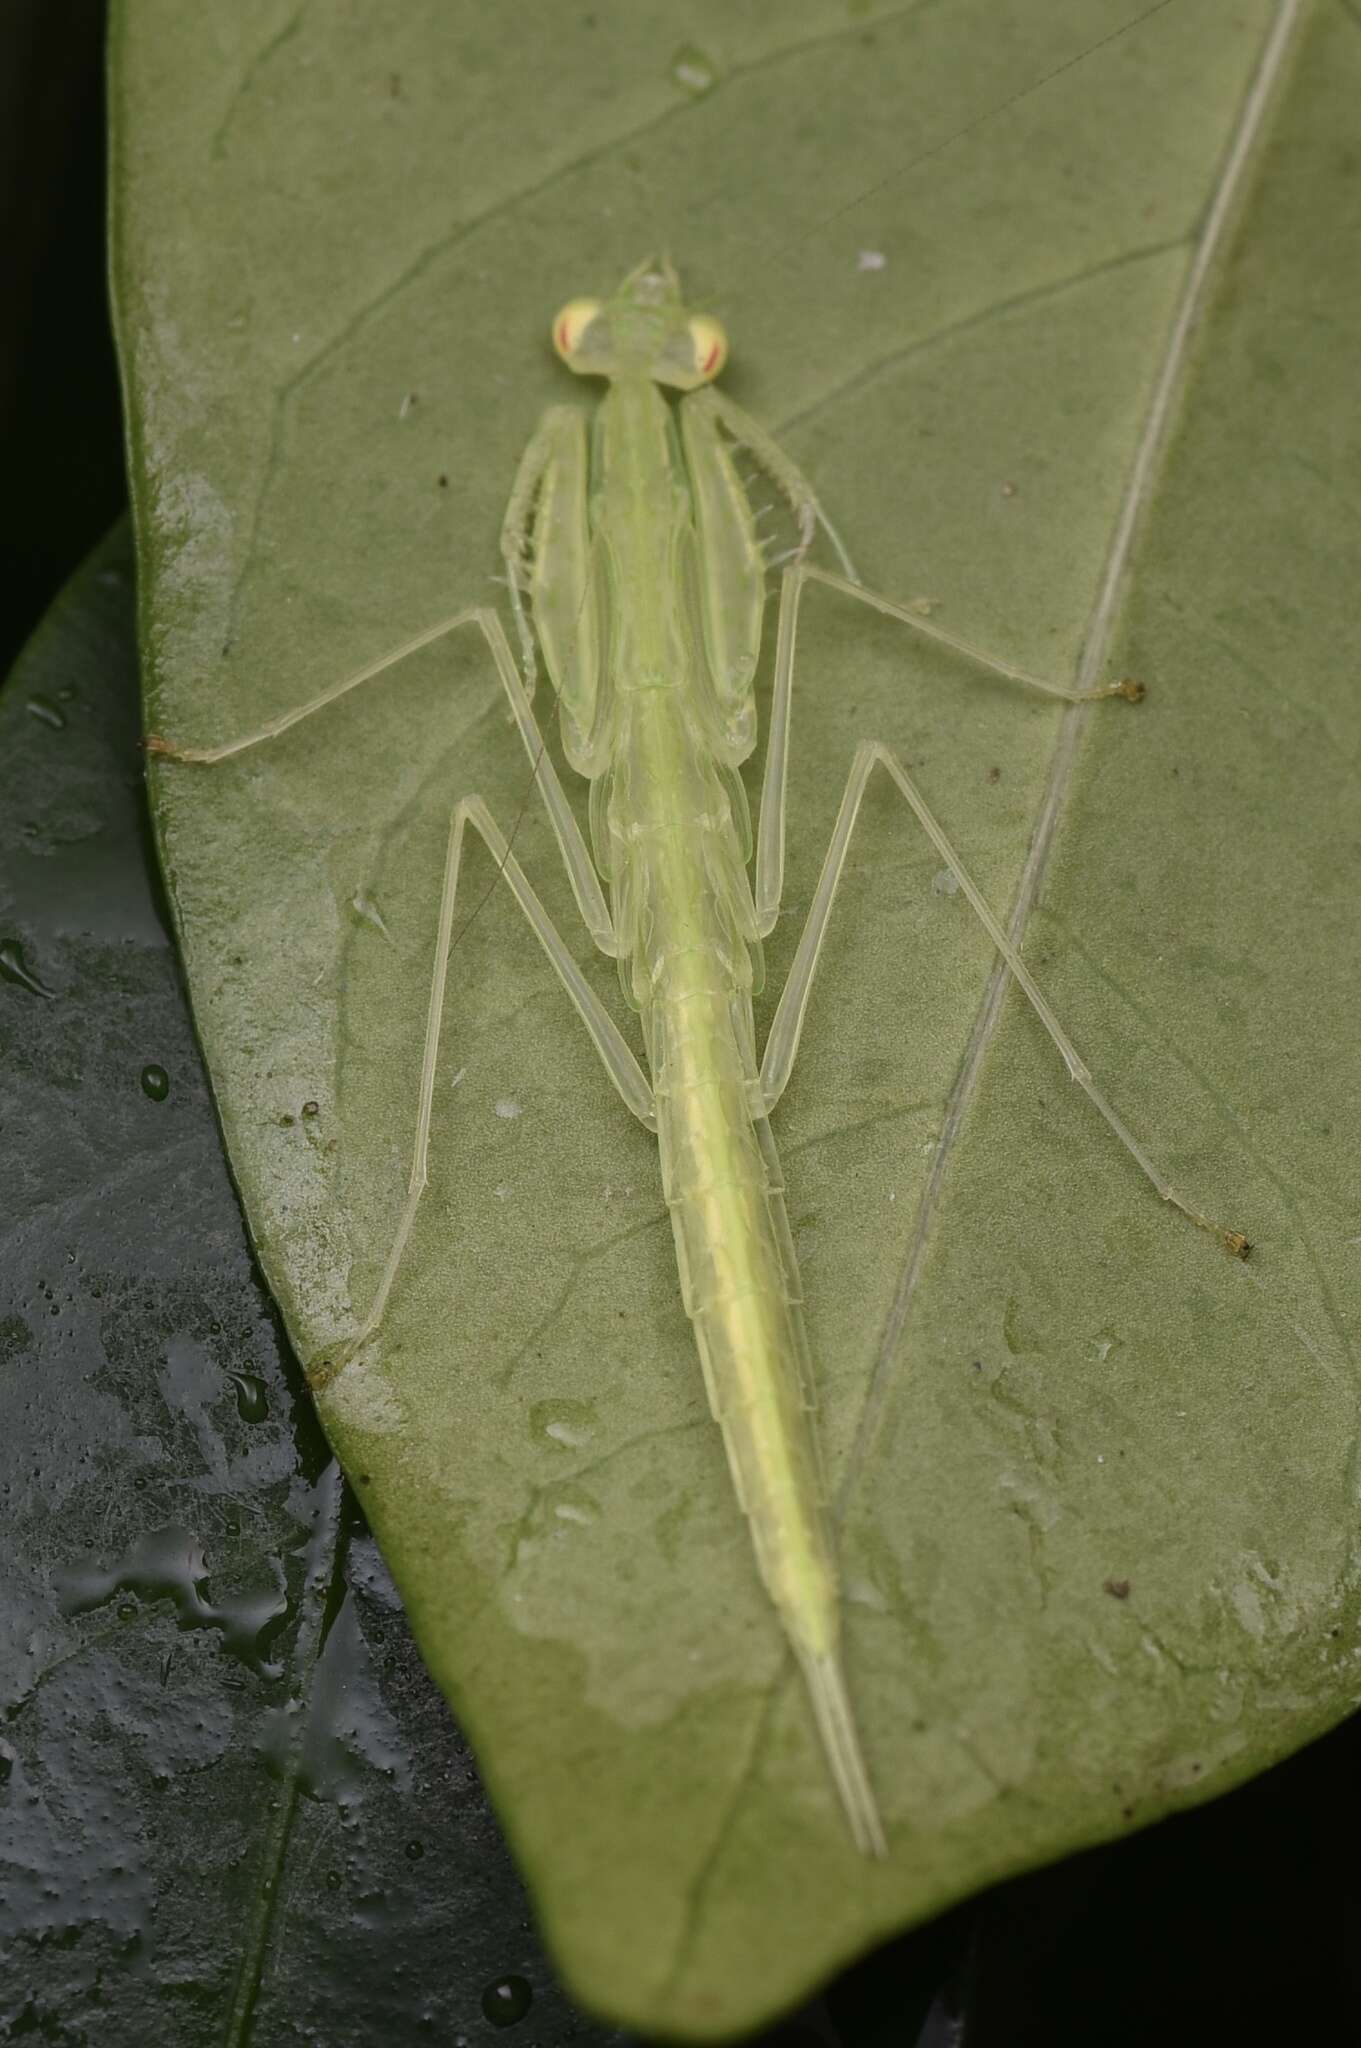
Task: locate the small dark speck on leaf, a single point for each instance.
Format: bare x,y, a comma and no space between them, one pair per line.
287,1122
1117,1588
443,482
994,775
311,1109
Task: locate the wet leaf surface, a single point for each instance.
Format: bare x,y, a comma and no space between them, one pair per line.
234,1806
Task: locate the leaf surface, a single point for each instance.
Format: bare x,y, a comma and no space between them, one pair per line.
1099,1480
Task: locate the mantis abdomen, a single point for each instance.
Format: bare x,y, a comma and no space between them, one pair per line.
687,932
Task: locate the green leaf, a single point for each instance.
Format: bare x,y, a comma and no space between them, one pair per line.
1101,1480
228,1786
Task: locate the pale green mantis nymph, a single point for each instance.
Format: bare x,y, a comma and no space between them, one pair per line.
636,574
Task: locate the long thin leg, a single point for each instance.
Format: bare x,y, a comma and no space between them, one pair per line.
770,836
580,868
782,1044
622,1068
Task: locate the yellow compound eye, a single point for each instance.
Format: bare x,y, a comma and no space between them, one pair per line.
711,346
571,323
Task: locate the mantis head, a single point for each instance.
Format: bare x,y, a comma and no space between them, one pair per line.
642,330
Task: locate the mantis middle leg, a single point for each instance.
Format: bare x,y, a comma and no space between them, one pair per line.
770,842
580,867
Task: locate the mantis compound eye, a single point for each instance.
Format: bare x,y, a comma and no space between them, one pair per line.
711,346
571,323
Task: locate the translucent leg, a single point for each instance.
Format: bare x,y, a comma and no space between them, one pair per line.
622,1068
770,839
580,868
788,1023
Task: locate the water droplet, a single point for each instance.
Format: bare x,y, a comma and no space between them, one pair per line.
311,1109
569,1424
333,1880
507,1108
945,883
507,2000
46,712
414,1851
693,71
155,1083
15,968
364,906
252,1401
167,1564
871,259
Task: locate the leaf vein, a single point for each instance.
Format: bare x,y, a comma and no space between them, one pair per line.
1033,295
1194,300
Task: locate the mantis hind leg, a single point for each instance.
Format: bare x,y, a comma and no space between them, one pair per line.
620,1064
782,1044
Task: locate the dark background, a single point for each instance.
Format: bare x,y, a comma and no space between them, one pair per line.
1238,1923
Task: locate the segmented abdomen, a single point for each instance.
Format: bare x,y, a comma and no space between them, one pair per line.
740,1285
671,834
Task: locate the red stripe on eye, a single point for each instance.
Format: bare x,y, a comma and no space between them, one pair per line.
709,361
564,341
